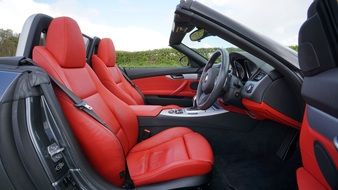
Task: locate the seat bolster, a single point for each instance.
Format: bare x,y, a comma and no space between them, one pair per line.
125,115
47,61
130,90
198,147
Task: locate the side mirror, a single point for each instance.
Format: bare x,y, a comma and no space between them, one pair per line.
184,61
198,35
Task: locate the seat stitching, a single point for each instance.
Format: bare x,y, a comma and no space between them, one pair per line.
161,143
90,95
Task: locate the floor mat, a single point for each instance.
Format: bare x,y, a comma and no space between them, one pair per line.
248,160
236,172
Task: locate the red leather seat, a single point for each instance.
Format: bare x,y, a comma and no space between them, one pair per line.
104,65
176,152
172,154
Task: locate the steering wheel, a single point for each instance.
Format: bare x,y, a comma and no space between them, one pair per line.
212,81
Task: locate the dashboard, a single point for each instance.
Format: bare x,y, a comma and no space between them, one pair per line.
263,93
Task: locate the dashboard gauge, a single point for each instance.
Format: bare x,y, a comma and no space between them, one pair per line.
239,70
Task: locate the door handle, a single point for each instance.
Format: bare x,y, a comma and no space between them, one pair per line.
177,76
188,76
335,142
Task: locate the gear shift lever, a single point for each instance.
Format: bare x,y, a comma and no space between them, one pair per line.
194,106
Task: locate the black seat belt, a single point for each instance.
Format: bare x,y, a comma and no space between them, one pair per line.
82,105
131,82
79,103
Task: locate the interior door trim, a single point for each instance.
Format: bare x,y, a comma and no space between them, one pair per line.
322,122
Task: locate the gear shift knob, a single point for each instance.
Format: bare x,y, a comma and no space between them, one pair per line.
194,106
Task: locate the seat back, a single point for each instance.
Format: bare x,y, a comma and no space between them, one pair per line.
63,57
104,65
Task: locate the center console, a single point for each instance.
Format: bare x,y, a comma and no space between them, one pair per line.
191,112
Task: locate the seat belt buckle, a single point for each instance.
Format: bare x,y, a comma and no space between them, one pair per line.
83,105
146,133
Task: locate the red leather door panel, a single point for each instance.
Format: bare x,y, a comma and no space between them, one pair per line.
166,86
311,135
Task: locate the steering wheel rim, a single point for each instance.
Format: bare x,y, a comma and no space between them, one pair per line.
210,86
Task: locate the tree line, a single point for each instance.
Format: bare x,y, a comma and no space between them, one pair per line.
8,42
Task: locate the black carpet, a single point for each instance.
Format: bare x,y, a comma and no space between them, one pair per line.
234,172
247,159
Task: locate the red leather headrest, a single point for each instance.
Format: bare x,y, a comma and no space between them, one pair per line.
106,52
65,42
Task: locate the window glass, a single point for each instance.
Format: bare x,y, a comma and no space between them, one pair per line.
208,45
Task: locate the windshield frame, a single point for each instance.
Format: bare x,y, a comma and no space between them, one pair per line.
190,14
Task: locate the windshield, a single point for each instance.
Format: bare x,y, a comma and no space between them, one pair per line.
208,45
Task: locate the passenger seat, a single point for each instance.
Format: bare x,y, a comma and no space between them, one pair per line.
105,67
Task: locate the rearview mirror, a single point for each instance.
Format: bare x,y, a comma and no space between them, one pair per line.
198,35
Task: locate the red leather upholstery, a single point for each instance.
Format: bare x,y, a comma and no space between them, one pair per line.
63,57
308,137
162,85
264,111
104,65
169,155
102,148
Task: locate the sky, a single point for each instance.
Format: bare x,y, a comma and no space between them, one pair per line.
136,25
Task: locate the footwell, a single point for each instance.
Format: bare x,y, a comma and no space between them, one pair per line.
248,160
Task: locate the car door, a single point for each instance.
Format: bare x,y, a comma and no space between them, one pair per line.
172,84
318,58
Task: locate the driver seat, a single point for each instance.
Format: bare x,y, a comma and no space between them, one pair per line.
105,67
175,154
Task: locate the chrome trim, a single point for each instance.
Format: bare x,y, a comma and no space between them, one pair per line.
189,76
335,142
187,112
